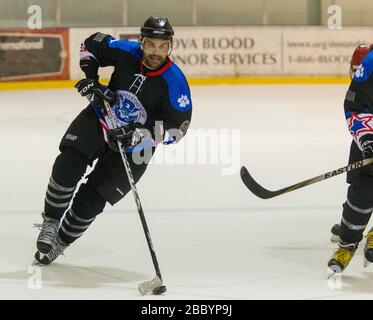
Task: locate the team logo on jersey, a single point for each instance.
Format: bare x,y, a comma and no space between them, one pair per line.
360,124
128,108
183,101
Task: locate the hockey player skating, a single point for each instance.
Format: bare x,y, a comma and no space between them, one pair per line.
149,97
358,206
359,54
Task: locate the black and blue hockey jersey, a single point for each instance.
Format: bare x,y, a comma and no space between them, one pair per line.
160,100
358,102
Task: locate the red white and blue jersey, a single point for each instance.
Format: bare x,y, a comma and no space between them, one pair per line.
358,102
160,100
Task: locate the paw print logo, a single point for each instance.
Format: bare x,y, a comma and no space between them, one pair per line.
183,101
359,72
162,22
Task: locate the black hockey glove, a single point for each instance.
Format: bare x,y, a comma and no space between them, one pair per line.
129,136
95,91
367,146
367,149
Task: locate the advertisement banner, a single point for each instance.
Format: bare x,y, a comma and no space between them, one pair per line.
249,51
222,51
320,51
34,54
285,51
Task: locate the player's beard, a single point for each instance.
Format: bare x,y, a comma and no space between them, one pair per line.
153,61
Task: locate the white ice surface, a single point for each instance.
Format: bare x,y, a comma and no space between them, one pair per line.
213,238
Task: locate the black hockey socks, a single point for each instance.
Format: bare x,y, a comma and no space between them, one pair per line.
86,206
354,221
69,167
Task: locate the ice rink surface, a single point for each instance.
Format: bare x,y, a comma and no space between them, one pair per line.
213,238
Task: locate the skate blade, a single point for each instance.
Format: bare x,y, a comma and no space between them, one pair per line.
331,274
336,271
366,263
335,238
37,263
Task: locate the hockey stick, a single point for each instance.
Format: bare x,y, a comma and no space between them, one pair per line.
263,193
155,285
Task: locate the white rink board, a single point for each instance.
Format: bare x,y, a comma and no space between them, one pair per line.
246,51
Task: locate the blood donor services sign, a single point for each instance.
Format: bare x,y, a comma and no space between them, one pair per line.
227,51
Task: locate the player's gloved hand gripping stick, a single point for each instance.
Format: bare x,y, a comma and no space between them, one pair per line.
94,91
129,136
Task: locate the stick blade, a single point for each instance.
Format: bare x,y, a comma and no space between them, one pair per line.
254,187
149,286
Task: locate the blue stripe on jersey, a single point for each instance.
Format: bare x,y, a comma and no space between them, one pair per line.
178,90
131,47
348,114
365,69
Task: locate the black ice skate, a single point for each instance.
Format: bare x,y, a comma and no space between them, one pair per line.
368,249
336,231
57,249
48,233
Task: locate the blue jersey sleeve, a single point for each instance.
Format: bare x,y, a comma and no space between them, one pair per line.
106,50
130,47
178,89
177,105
